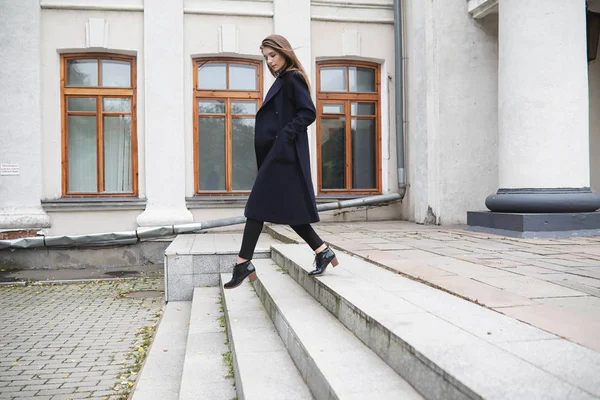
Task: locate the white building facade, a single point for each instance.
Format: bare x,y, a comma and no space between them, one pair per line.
118,114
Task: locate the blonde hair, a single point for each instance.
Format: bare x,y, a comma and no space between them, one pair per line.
284,48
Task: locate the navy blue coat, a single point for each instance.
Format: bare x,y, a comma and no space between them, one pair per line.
283,191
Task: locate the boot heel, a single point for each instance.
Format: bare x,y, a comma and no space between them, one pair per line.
252,277
335,262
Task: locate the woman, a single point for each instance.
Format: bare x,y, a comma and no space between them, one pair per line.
282,192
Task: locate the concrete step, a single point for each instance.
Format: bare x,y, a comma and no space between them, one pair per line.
446,347
198,260
332,361
262,367
160,377
205,371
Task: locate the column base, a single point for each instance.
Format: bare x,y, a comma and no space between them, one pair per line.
164,216
24,218
544,200
539,225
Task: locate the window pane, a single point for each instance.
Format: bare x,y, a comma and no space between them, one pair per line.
117,104
363,154
333,79
361,108
242,77
212,153
333,153
82,153
243,107
81,104
117,154
211,106
244,160
362,79
212,76
333,108
116,73
82,73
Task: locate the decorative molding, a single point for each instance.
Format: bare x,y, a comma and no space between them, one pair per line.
228,39
481,8
351,42
107,5
96,33
352,4
333,18
242,8
337,11
93,204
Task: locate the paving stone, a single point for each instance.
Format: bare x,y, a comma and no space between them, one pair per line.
28,393
588,305
480,292
553,355
573,326
58,356
529,287
45,386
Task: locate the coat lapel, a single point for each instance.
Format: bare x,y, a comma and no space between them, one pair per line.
273,91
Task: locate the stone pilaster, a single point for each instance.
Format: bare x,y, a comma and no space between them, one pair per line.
20,116
164,110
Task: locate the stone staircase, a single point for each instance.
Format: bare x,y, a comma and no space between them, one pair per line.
358,332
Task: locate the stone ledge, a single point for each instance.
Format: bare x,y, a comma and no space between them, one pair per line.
480,8
67,204
523,225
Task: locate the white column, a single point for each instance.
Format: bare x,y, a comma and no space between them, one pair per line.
20,116
292,20
543,109
543,95
164,109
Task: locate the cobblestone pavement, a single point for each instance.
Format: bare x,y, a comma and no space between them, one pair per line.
553,284
72,341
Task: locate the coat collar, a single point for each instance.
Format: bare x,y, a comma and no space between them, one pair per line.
274,89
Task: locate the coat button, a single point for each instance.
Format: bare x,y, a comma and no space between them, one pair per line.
276,112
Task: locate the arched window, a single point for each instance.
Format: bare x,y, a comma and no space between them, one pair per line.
348,127
227,95
99,143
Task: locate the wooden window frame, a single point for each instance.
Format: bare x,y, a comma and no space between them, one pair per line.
346,98
227,95
99,92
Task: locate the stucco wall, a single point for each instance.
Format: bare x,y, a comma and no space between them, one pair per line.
20,115
376,45
594,87
63,31
452,125
202,40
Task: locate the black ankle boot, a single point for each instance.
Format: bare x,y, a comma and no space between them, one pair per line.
322,260
240,272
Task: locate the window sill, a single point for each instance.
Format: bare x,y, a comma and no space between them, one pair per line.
331,197
94,204
198,202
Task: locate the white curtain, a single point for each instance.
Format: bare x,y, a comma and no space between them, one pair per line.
82,154
117,153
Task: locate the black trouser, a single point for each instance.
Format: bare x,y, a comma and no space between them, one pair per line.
254,228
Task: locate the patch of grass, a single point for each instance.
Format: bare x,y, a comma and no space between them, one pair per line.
227,357
228,360
133,361
283,271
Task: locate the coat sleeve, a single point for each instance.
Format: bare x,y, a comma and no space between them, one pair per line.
299,95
